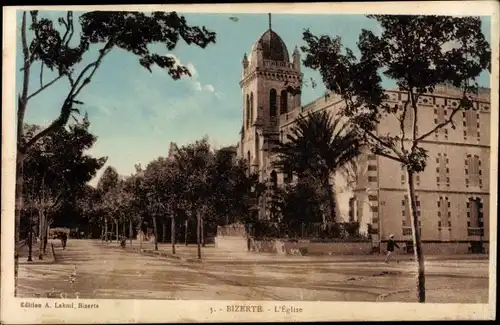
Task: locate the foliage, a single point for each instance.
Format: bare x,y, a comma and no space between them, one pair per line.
57,167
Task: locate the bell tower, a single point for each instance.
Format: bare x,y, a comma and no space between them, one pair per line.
269,79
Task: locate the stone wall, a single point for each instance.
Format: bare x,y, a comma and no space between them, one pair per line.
349,248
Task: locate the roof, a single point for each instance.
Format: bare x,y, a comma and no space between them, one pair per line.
273,47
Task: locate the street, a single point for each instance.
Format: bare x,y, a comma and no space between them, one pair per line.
93,269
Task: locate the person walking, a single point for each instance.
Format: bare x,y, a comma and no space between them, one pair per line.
64,239
390,247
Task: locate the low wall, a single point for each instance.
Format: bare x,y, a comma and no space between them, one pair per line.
445,248
231,243
351,248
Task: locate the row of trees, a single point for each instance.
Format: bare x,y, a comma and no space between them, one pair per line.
194,185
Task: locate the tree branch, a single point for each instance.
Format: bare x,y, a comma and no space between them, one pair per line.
385,144
23,98
43,87
68,102
443,124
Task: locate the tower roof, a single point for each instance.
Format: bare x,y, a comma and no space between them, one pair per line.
273,47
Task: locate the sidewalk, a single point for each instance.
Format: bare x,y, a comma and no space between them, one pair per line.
210,254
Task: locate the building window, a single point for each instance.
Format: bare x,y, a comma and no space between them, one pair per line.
281,136
473,171
405,211
442,170
408,121
247,108
444,213
372,198
471,124
272,102
352,204
251,109
283,102
372,178
475,216
372,167
287,175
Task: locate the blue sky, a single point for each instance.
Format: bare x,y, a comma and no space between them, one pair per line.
135,114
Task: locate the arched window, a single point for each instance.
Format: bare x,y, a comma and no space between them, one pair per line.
283,102
474,216
249,160
251,109
473,171
248,112
257,149
272,103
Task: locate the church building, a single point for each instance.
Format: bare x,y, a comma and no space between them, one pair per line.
453,191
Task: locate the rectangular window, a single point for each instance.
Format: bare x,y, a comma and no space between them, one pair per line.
372,168
374,209
372,178
372,197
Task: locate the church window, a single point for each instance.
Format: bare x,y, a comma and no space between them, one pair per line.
272,102
284,102
251,108
247,108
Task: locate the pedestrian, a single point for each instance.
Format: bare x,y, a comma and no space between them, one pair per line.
390,247
64,239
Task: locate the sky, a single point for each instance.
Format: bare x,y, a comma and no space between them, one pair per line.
135,114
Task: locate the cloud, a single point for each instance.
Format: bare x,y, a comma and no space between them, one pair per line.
192,70
209,88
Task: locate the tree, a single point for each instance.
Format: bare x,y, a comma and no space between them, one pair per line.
56,171
107,187
318,146
419,53
56,51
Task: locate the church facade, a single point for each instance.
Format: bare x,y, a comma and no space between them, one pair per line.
453,191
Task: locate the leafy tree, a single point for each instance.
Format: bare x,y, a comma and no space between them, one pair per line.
56,170
419,53
50,48
318,146
107,187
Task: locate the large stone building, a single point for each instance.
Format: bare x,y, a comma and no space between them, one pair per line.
453,191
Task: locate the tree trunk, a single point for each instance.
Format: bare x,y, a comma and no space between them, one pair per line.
172,233
198,235
331,200
202,231
140,233
102,230
124,229
417,245
30,240
164,233
116,231
41,232
186,222
155,233
46,237
105,230
130,231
